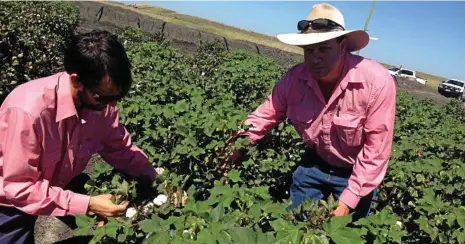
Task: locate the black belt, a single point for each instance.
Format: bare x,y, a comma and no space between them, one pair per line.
311,159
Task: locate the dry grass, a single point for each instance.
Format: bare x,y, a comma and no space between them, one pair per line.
231,32
208,26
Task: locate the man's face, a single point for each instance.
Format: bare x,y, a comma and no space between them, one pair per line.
323,59
99,97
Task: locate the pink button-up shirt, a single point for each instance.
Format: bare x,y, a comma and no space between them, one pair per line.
354,129
45,142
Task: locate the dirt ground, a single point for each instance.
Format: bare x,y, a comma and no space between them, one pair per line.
421,91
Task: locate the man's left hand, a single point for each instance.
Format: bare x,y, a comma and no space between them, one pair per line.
341,210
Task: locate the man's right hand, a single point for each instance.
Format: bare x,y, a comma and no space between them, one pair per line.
103,206
234,158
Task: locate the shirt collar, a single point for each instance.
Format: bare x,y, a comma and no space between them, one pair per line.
65,103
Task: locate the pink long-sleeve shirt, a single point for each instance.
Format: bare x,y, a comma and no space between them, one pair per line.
353,129
45,142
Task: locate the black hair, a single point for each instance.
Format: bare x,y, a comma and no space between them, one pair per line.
94,55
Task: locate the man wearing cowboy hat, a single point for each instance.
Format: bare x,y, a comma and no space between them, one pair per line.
343,107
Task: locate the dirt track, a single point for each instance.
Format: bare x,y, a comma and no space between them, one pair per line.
421,91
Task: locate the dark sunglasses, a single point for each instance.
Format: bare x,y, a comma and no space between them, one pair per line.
318,24
105,99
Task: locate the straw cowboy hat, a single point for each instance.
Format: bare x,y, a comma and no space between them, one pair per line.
325,22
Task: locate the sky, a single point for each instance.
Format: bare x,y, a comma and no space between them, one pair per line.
425,36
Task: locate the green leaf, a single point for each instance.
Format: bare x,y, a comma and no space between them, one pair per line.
337,223
460,216
98,235
346,236
111,228
242,235
205,236
163,237
83,231
315,239
122,238
281,224
288,237
217,213
255,211
267,238
459,235
223,237
234,175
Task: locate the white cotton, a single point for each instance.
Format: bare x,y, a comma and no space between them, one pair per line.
163,198
159,171
131,212
399,223
157,202
148,207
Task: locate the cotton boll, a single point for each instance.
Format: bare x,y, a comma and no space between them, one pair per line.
163,198
131,212
159,171
148,207
157,202
160,200
399,223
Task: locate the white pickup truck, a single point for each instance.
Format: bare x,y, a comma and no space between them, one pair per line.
452,88
406,74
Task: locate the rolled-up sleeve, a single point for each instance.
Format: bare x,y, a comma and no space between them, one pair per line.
22,184
372,162
119,150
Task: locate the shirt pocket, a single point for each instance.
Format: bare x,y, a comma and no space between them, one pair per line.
349,128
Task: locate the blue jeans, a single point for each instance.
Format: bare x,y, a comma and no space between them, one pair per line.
318,182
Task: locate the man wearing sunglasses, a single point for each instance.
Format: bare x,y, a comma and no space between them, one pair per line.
342,106
49,129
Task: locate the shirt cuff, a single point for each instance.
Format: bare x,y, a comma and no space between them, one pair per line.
349,198
236,155
149,171
79,204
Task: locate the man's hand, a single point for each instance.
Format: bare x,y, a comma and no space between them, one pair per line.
103,206
341,210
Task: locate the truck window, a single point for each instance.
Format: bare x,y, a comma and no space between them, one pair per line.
406,72
455,82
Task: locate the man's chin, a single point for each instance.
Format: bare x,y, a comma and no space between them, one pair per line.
95,108
319,75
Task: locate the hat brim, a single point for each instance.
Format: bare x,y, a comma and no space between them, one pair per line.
357,39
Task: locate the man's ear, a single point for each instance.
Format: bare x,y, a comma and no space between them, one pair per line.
343,46
75,83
